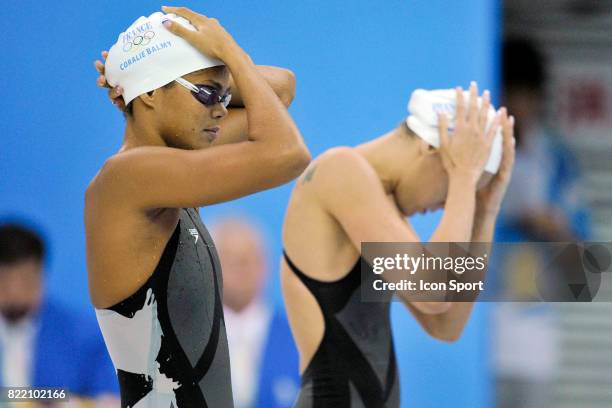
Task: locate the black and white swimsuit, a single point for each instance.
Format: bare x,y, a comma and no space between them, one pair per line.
167,341
354,365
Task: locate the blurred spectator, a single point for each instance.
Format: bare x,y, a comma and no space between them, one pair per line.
542,204
43,343
264,360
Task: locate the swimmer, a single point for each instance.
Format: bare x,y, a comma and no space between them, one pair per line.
363,194
154,273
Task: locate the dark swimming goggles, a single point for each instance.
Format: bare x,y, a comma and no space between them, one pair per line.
205,94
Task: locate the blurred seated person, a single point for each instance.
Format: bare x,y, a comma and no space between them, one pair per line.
42,342
264,360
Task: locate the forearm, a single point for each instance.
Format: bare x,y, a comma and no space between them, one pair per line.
281,80
457,221
484,226
455,226
450,325
235,124
267,117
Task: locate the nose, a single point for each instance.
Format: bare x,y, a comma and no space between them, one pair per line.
219,111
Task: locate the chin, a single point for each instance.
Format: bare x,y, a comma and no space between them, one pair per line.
407,212
199,144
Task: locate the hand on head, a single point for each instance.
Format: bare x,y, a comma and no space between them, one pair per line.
467,151
490,197
210,38
113,93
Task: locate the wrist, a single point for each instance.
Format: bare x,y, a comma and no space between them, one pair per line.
231,53
467,179
485,204
486,212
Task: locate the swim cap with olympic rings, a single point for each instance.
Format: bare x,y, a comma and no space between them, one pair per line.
147,56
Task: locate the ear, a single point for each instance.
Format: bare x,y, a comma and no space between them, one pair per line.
148,99
425,148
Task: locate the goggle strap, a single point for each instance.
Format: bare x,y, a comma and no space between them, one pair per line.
187,85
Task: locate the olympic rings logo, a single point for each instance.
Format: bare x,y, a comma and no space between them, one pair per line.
140,40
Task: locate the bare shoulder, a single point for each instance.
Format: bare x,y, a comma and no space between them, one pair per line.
113,183
101,180
319,183
338,174
336,168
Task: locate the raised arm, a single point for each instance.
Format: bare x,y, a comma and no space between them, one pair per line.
462,157
235,126
281,80
274,153
350,191
449,325
347,187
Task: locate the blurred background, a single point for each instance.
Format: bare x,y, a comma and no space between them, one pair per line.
356,65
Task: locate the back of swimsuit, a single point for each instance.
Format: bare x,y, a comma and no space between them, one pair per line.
354,365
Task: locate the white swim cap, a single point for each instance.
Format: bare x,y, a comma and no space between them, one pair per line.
147,56
424,107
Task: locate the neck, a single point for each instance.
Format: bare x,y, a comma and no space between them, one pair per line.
140,133
388,155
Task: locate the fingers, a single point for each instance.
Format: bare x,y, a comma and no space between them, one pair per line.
101,82
115,93
99,66
460,105
500,117
178,29
484,110
120,104
473,108
184,12
508,143
443,130
508,129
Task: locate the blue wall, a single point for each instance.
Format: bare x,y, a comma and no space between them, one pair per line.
356,64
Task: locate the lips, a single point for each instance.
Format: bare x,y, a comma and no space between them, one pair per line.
212,133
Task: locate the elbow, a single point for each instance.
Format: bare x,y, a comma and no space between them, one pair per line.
298,158
447,333
443,331
447,337
286,91
286,162
432,308
435,324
